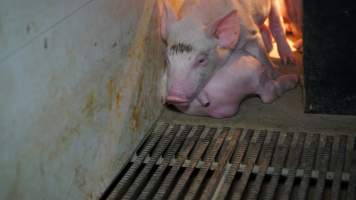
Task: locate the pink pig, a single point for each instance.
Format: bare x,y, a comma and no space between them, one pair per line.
241,76
216,56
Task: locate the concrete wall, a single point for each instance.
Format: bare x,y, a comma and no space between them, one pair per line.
78,85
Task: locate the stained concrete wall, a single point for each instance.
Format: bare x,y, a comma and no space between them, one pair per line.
78,85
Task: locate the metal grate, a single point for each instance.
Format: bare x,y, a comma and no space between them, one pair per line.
197,162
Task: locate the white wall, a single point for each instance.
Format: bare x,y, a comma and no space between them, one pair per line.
78,83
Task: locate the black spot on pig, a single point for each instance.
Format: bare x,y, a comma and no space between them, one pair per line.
181,48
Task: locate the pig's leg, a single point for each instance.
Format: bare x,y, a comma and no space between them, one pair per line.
163,87
256,48
267,38
224,111
277,30
271,89
252,42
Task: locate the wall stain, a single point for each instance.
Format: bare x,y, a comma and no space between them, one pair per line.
28,28
45,43
118,99
90,105
135,117
114,45
64,140
14,189
110,89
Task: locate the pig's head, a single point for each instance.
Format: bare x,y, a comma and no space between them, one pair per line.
195,50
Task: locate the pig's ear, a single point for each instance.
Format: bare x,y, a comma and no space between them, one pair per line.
227,30
167,17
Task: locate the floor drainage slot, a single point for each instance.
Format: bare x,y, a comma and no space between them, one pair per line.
200,162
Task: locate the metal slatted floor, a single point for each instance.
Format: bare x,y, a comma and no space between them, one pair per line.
198,162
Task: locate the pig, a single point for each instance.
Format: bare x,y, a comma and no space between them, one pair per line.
242,75
201,42
260,10
292,12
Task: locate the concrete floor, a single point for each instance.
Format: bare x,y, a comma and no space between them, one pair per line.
285,114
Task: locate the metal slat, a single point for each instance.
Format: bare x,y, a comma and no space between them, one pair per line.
192,162
144,174
157,176
322,165
198,151
211,154
351,190
279,158
232,140
156,134
182,156
252,155
292,164
196,156
339,166
307,164
264,161
236,161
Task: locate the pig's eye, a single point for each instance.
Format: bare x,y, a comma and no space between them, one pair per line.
201,60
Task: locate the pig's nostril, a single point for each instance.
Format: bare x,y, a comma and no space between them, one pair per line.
207,104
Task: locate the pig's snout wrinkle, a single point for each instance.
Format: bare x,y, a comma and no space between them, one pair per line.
176,100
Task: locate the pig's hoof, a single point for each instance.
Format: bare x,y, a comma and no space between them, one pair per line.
286,55
268,98
288,59
299,45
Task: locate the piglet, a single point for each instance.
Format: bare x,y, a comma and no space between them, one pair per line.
241,76
201,42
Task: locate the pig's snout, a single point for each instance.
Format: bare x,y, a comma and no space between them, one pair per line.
176,100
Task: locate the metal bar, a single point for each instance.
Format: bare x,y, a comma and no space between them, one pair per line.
264,161
182,156
292,164
109,192
279,158
157,176
232,140
345,177
252,155
351,190
144,175
307,164
339,166
197,154
211,154
131,172
170,158
236,161
322,165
